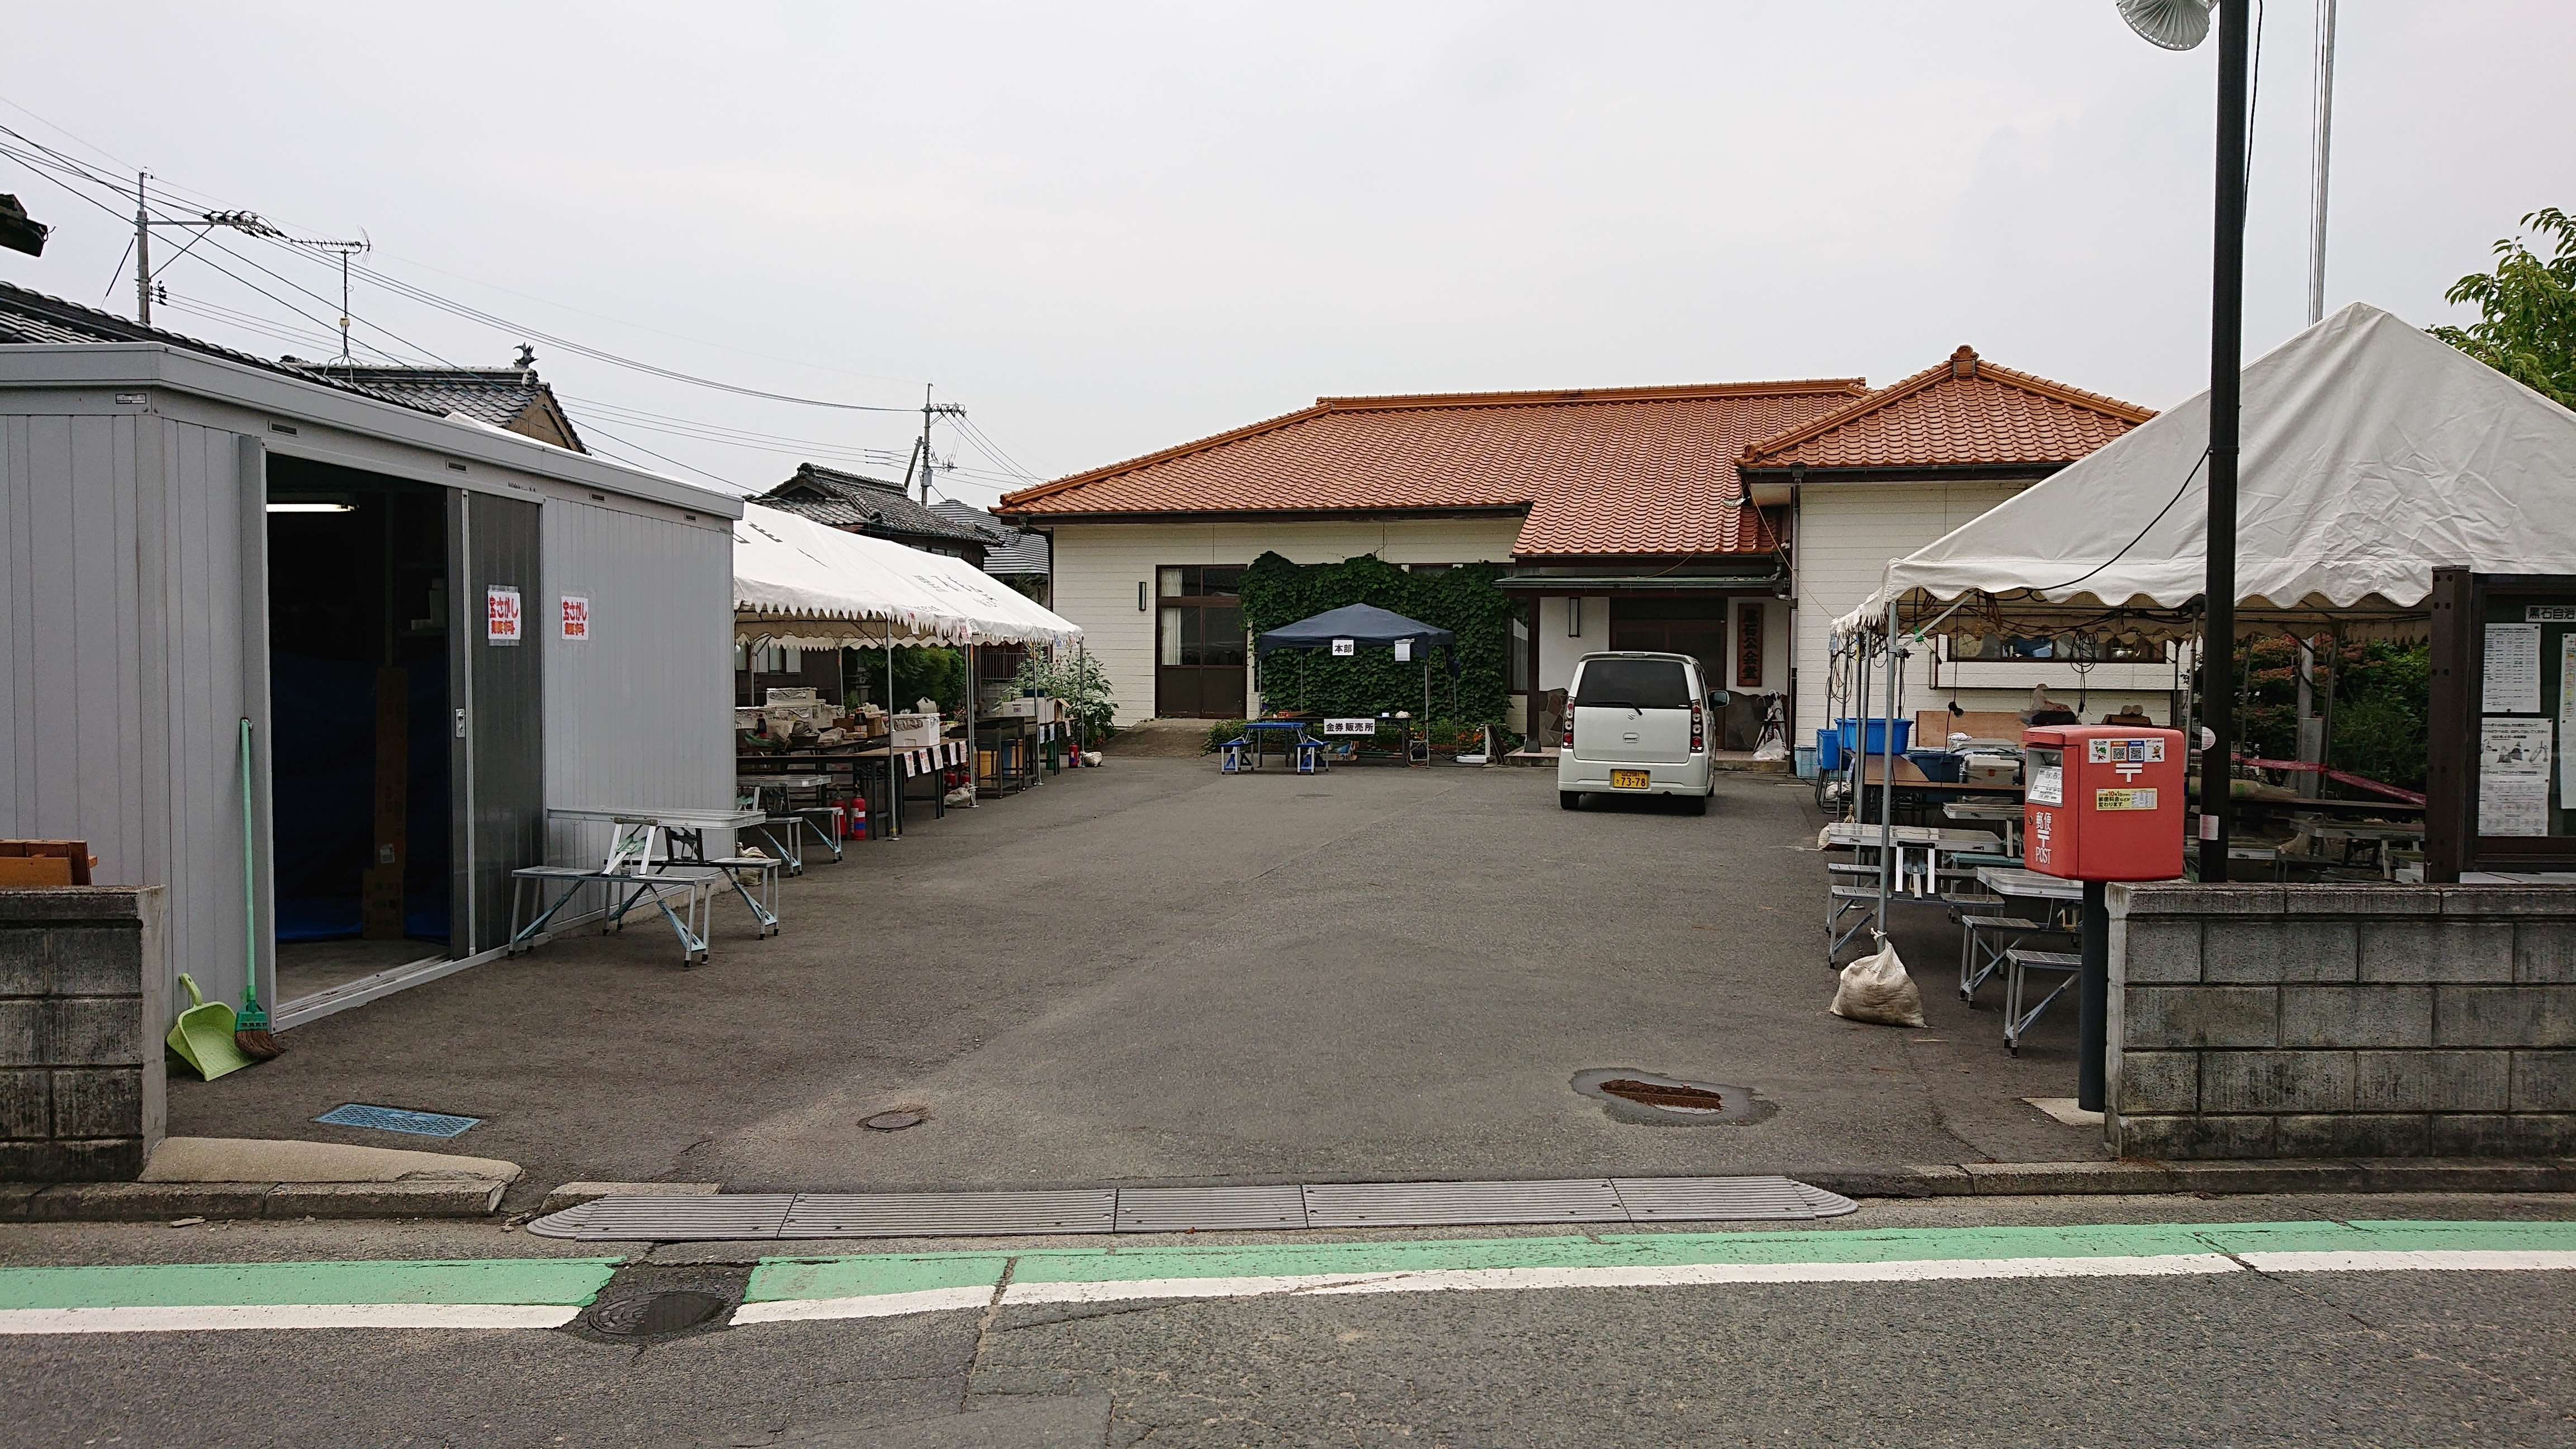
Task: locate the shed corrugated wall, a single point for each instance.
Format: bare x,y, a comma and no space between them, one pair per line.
120,702
641,715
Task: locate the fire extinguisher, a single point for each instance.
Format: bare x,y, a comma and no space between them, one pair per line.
854,818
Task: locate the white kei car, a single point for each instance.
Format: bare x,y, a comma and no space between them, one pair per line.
1638,724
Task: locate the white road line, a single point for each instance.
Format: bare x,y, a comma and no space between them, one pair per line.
197,1317
2482,1260
874,1305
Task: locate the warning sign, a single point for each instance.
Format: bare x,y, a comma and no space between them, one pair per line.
576,618
501,614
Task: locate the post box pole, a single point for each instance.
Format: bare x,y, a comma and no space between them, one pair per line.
2093,998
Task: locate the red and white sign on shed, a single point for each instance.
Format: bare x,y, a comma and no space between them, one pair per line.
501,614
576,617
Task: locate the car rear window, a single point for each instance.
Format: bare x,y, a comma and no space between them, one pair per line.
1636,683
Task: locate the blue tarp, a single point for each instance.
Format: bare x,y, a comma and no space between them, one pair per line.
1362,624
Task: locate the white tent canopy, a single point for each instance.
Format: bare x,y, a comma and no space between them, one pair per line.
2371,455
802,583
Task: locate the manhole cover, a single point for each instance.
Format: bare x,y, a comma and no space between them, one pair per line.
1669,1096
653,1313
891,1121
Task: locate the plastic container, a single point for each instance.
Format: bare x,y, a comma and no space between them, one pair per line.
1828,751
1938,766
1877,742
1808,769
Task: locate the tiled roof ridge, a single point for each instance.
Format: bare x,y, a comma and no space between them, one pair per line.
1395,402
1942,371
819,473
1666,392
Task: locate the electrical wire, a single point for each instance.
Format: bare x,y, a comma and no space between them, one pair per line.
2142,533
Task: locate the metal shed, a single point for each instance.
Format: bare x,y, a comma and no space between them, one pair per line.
172,570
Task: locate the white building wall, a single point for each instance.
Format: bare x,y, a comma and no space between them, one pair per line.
1100,566
1558,648
1848,533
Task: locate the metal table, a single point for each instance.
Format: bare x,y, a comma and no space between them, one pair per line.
1256,734
785,828
2004,812
647,844
1933,841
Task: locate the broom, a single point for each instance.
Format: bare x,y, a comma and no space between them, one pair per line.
250,1027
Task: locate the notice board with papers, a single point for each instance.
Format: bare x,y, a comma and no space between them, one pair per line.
2499,790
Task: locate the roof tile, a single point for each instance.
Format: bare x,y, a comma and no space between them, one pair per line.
1963,412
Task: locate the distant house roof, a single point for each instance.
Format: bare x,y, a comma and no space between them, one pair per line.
506,397
1007,550
513,398
865,505
1965,412
1640,471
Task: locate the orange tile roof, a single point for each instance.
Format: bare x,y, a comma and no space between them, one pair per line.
1637,471
1962,413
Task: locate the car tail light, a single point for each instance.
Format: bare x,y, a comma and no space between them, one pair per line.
1569,725
1699,733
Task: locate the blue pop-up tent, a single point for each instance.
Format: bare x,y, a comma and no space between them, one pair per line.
1361,624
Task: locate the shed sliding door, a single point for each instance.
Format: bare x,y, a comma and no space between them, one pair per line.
499,744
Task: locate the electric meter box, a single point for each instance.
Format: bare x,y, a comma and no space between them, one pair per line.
2102,802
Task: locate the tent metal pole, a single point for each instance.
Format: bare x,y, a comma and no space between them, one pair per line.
974,788
1886,775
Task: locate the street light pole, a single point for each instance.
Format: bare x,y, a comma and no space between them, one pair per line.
2226,359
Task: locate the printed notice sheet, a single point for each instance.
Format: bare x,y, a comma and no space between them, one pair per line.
2513,776
2567,714
2513,669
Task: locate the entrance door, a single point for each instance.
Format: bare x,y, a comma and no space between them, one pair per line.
1696,627
499,744
1199,657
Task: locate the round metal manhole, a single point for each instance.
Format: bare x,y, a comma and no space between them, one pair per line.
891,1121
1652,1099
650,1313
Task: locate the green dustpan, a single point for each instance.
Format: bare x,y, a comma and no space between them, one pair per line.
203,1035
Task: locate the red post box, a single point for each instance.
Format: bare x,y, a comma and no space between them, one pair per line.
2102,802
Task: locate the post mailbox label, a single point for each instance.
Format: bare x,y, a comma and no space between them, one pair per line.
2048,785
2124,799
2112,752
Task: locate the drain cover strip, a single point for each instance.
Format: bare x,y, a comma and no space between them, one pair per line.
1184,1209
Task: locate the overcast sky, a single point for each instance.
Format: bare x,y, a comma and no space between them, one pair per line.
1107,228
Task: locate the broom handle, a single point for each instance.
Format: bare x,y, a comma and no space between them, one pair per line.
250,885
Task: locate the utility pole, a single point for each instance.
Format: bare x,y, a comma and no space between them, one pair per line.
2318,168
142,254
929,411
2226,361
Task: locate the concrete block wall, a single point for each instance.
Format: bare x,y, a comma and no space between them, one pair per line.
84,1000
2342,1021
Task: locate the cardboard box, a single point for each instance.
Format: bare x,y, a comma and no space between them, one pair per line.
914,731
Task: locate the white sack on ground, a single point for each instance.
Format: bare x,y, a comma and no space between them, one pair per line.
1877,989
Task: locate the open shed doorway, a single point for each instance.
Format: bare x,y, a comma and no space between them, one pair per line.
360,616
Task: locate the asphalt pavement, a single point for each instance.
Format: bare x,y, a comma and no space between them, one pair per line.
1152,972
2189,1346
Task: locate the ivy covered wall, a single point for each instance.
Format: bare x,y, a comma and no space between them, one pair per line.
1462,600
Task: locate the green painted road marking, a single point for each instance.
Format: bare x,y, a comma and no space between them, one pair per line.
572,1282
778,1279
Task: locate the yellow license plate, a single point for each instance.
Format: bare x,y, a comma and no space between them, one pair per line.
1631,779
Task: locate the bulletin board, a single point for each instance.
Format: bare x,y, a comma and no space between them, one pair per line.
2500,790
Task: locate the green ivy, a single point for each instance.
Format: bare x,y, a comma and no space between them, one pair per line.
1462,600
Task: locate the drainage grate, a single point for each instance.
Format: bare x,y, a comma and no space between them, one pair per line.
1670,1097
1180,1209
1210,1209
946,1214
652,1313
1411,1204
397,1119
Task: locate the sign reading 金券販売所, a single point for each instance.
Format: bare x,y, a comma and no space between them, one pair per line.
1360,726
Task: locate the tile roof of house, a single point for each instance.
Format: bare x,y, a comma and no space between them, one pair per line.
506,397
850,500
33,317
1647,471
1007,550
1965,412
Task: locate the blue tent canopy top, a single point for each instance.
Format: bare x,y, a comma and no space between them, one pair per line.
1362,624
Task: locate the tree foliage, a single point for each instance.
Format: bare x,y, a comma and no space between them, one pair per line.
920,673
2382,695
1076,678
2527,306
1462,600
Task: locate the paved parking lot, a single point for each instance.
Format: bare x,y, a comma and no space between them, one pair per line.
1151,972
